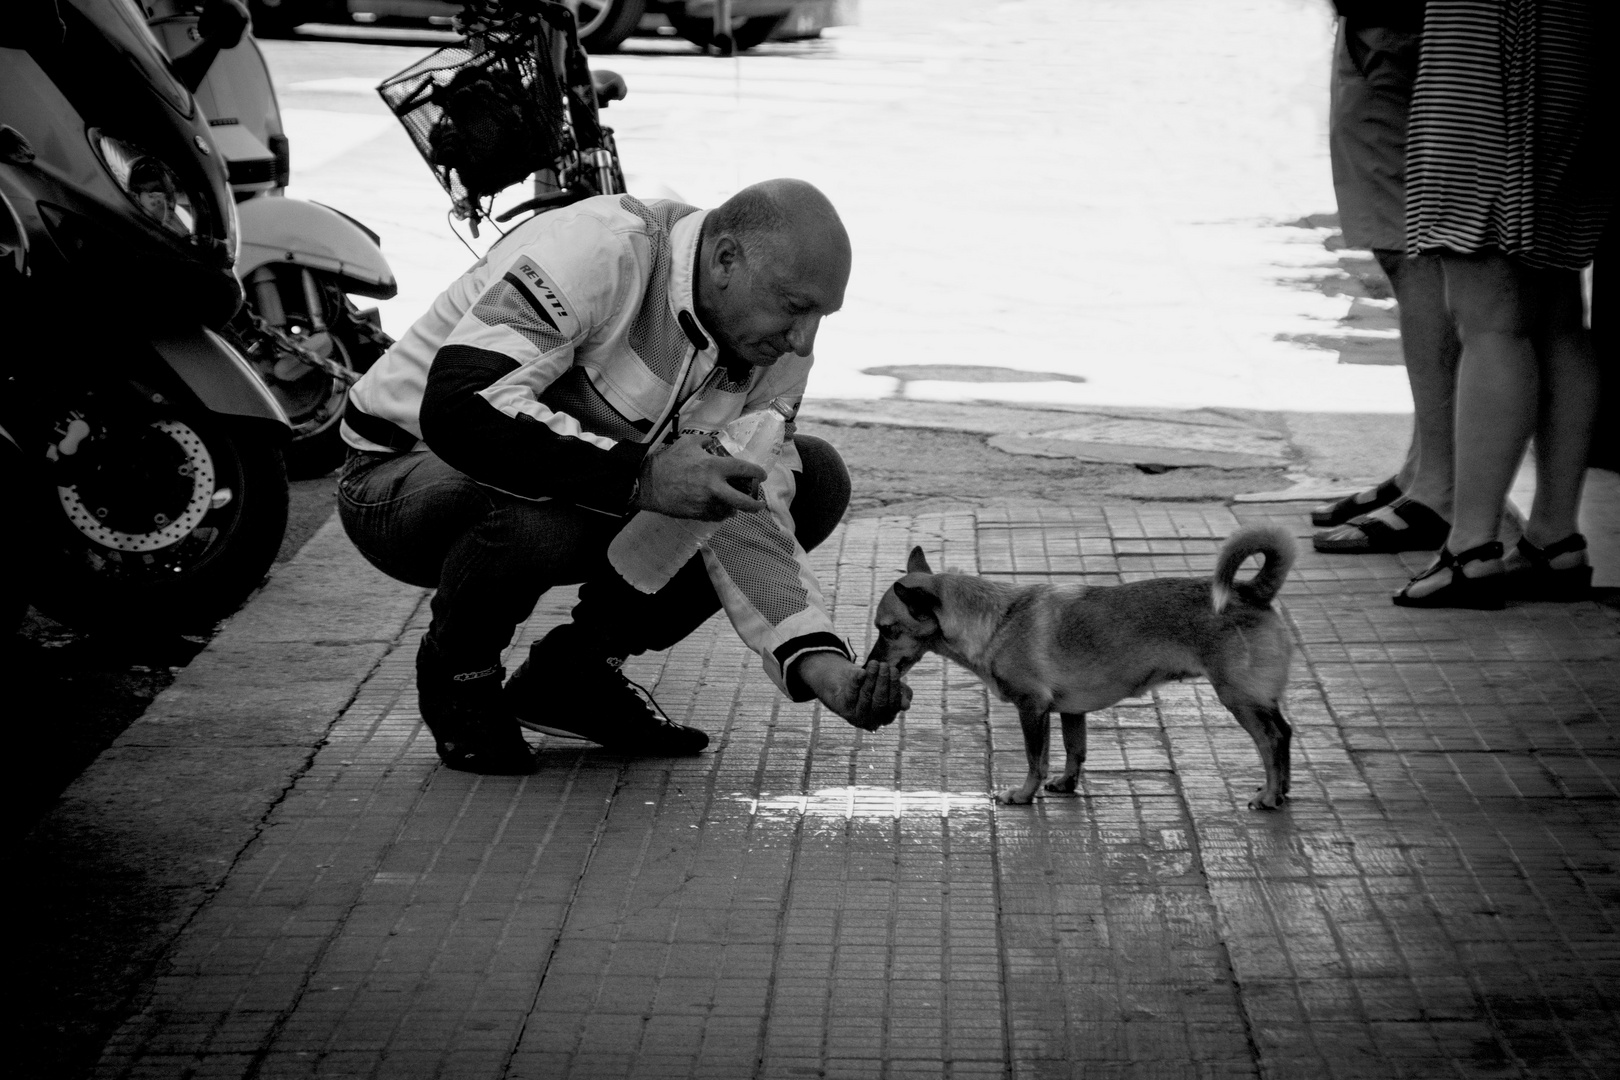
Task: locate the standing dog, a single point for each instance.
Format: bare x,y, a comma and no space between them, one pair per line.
1076,648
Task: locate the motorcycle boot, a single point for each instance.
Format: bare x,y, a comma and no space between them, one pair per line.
566,687
473,729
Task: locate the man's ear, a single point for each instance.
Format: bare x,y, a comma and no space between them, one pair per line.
918,562
918,600
728,253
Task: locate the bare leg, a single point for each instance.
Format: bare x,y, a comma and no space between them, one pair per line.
1568,414
1074,746
1406,475
1431,349
1498,387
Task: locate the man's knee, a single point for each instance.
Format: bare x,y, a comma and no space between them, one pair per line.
822,493
408,514
402,511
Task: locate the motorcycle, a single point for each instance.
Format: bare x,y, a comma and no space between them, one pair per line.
516,100
300,261
143,455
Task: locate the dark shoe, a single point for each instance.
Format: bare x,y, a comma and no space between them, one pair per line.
1538,580
566,689
1484,593
1342,510
472,728
1373,534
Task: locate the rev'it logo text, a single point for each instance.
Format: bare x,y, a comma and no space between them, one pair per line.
542,288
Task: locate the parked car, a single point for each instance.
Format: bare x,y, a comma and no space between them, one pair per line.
603,24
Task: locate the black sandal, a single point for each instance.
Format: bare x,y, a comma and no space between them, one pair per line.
1482,593
1342,510
1539,581
1370,534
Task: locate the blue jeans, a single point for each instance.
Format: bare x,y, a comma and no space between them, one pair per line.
491,555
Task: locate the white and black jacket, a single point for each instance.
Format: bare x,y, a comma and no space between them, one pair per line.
551,368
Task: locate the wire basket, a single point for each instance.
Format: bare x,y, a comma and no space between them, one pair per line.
486,113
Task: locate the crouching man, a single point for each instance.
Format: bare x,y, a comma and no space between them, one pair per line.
565,382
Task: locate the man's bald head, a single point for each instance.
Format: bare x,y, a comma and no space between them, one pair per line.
785,210
773,260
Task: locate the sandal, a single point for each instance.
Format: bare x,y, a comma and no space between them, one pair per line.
1342,510
1484,593
1403,525
1538,580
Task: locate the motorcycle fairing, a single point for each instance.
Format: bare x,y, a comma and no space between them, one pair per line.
299,233
218,375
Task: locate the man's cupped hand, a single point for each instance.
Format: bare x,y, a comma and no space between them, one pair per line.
868,697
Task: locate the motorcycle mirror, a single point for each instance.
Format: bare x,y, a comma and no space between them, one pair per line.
220,26
223,22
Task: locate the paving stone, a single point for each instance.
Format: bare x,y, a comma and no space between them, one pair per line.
808,899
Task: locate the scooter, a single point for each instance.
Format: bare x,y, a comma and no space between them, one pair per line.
142,455
299,260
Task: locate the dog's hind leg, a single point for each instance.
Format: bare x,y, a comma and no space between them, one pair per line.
1034,722
1273,738
1285,745
1074,746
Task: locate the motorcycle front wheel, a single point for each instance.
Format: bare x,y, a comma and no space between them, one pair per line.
165,522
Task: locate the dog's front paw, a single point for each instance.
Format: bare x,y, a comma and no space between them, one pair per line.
1266,799
1015,797
1064,785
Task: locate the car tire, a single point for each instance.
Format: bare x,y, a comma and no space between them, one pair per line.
604,24
277,18
745,34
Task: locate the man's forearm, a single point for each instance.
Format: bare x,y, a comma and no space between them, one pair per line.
517,454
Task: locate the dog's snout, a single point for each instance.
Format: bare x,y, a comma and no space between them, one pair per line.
880,652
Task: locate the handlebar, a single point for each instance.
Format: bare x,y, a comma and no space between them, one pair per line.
548,201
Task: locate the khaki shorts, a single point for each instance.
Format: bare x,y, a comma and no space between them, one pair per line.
1374,69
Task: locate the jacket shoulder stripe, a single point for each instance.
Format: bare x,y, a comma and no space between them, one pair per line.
544,296
506,303
517,286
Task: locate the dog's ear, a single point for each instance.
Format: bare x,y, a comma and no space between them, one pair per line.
918,600
918,562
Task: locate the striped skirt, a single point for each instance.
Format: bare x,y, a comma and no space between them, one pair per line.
1512,128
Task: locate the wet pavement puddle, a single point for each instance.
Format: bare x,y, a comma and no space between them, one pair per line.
849,803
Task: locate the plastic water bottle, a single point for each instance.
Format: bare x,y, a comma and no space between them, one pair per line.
653,547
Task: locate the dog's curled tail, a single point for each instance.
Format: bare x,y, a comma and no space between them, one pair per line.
1274,543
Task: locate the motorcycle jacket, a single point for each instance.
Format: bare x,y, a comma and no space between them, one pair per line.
554,365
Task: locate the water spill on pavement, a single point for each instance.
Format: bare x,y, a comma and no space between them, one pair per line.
849,803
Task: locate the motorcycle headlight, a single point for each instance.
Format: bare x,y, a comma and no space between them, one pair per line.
150,183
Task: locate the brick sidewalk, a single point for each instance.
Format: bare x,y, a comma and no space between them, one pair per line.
805,899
